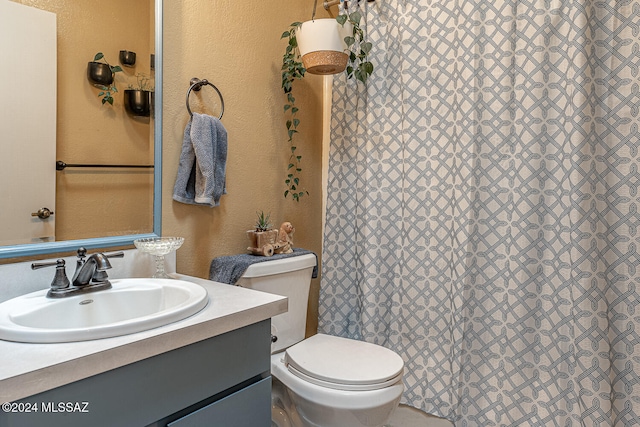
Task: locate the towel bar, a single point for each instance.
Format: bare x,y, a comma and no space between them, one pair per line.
196,84
60,165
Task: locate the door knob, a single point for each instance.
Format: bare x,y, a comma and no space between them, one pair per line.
43,213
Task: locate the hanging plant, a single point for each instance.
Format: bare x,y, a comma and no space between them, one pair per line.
101,75
138,99
293,68
359,48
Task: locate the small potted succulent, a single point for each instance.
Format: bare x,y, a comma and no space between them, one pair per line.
263,237
138,100
354,59
102,76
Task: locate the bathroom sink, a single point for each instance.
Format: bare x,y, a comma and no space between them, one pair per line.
131,305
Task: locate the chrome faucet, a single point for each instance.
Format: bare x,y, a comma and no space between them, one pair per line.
90,274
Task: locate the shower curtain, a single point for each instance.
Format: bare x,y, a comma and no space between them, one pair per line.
482,208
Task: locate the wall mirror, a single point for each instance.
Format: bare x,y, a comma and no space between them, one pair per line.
109,192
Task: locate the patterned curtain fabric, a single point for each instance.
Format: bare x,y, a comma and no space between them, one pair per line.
482,216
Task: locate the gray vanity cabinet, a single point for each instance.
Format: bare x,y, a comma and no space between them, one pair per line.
223,381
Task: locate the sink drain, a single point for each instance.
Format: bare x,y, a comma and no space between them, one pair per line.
85,302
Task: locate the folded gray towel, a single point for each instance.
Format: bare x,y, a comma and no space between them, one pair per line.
201,172
228,269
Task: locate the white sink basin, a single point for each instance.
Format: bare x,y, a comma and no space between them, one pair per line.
131,305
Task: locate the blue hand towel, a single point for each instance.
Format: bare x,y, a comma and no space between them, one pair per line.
201,173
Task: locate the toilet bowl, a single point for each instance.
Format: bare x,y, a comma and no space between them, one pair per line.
354,386
324,380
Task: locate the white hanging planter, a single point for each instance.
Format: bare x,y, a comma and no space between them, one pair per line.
322,47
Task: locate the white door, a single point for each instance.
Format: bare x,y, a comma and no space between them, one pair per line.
27,123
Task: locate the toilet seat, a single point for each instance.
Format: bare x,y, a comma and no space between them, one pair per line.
344,364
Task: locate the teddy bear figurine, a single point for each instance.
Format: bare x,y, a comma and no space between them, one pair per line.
284,244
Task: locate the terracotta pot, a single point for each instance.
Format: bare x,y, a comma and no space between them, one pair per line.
322,47
262,242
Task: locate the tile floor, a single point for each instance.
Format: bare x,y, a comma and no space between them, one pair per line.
406,416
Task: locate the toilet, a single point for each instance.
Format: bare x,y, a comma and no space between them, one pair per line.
321,381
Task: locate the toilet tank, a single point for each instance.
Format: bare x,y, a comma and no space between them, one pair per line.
289,277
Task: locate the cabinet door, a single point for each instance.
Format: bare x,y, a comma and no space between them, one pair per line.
249,407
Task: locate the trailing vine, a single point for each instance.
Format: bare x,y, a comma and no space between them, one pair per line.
292,69
360,66
107,92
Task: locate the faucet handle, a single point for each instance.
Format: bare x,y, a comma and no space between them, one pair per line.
39,265
115,255
60,280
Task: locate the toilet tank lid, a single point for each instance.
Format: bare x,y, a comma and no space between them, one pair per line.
282,265
344,361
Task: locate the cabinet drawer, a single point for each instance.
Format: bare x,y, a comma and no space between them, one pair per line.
249,407
153,389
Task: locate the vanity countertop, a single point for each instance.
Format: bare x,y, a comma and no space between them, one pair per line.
28,369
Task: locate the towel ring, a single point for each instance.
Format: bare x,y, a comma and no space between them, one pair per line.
196,84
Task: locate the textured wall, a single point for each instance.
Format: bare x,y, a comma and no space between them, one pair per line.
236,45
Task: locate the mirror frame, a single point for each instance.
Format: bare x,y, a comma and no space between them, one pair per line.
14,251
